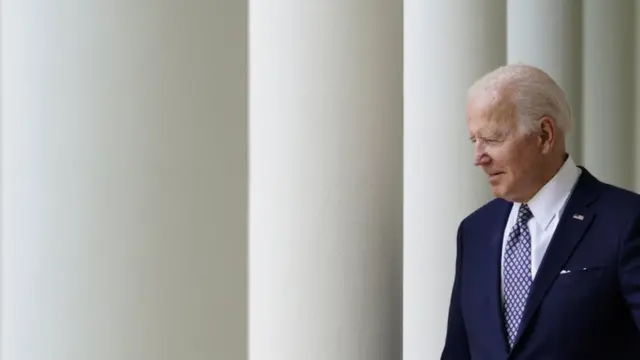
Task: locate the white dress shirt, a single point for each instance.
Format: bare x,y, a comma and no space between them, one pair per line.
547,207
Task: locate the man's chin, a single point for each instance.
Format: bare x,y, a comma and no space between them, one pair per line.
498,192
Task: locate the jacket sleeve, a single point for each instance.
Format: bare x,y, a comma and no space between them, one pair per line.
456,345
629,270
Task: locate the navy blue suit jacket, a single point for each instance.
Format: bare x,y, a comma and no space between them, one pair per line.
591,312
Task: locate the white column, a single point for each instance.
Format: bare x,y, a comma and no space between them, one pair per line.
125,180
326,180
448,45
548,34
608,91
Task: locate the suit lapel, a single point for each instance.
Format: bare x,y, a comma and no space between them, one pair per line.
573,224
494,278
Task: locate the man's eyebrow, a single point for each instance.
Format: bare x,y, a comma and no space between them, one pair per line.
488,134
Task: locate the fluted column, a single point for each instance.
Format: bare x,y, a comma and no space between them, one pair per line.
448,45
608,91
326,180
124,180
548,34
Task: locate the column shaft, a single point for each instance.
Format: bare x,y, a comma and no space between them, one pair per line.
326,180
548,34
608,91
448,45
125,180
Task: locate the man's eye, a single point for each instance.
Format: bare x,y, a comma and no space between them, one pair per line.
488,141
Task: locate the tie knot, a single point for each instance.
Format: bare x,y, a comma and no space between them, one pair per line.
524,214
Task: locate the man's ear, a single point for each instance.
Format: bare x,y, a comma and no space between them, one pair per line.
548,133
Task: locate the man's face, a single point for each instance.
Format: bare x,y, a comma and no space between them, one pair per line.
509,158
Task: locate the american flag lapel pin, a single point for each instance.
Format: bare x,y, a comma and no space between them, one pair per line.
578,216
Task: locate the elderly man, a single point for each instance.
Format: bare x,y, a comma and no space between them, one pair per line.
550,269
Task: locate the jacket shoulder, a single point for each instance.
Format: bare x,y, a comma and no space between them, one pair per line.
487,213
618,204
621,197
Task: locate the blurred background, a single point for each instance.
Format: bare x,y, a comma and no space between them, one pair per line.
267,180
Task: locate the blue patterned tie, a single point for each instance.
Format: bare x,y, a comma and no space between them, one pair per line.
517,272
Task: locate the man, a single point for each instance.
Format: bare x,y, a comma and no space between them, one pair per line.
550,270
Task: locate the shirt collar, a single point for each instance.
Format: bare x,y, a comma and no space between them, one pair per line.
548,201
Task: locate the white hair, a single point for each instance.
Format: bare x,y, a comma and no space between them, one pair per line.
532,91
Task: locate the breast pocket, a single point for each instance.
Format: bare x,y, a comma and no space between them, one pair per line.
579,276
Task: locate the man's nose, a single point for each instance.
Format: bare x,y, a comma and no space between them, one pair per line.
481,157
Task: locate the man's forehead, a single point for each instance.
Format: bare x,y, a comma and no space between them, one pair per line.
483,116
